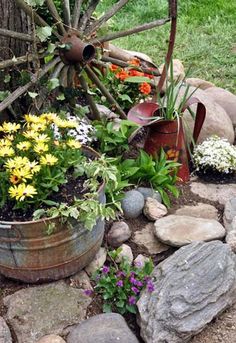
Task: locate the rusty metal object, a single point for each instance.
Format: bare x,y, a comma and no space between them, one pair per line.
78,51
29,254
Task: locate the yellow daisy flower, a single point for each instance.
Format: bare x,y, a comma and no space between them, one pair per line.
31,134
43,138
8,127
21,174
49,117
5,142
6,151
17,162
38,126
65,124
22,191
48,159
34,167
30,118
72,143
40,148
24,146
10,137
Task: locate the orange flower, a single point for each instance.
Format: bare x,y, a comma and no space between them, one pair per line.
145,88
113,67
173,154
133,72
134,62
122,75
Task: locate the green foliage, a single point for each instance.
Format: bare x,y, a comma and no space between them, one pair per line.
120,285
114,140
43,33
159,172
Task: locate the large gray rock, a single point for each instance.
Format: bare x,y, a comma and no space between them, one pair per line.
229,213
38,311
225,99
5,335
199,211
146,238
132,204
97,262
148,192
103,328
214,192
118,234
125,254
191,287
181,230
217,121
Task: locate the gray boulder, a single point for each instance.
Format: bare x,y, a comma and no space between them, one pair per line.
148,192
38,311
181,230
229,213
118,234
191,287
214,192
132,204
200,210
5,335
103,328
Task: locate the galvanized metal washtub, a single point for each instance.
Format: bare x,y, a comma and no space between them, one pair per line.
29,254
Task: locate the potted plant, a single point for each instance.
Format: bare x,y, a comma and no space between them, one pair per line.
163,117
215,160
51,197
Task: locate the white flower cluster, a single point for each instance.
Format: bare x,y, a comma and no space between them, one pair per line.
84,132
215,154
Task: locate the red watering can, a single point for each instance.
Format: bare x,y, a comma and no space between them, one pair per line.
168,134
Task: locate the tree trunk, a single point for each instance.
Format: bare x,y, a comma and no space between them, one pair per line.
12,18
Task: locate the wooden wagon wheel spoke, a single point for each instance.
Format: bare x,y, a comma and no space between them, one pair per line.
110,13
17,35
58,21
20,60
23,89
86,16
129,32
66,12
76,13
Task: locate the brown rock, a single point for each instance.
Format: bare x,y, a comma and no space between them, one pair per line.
200,210
153,209
81,280
146,238
51,339
118,234
199,83
214,192
225,99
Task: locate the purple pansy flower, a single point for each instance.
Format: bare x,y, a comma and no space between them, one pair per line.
150,286
120,274
132,300
138,283
119,283
135,290
105,270
133,280
88,292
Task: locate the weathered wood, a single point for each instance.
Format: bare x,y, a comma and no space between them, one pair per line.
84,20
94,111
63,76
76,13
129,32
34,79
16,35
57,70
110,13
125,65
104,91
66,12
58,21
20,60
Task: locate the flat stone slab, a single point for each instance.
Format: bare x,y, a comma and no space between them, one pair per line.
146,238
42,310
191,288
214,192
103,328
177,230
5,334
199,211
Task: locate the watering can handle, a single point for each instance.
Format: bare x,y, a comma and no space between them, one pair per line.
10,227
199,119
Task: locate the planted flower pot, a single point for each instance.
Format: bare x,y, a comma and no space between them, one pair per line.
28,253
52,191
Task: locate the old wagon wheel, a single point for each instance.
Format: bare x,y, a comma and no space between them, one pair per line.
76,39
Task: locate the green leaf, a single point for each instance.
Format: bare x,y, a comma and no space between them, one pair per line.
7,78
43,33
131,309
51,48
33,95
61,97
50,203
34,3
106,308
4,95
53,83
138,79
